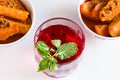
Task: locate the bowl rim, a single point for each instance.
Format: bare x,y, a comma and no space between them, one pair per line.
90,31
32,15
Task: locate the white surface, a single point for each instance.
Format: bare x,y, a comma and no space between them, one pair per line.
100,59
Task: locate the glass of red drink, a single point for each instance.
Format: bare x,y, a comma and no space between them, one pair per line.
67,31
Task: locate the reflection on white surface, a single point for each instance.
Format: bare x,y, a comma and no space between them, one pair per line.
100,59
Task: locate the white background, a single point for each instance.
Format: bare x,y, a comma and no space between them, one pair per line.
100,58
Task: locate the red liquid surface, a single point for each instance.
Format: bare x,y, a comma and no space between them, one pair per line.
65,34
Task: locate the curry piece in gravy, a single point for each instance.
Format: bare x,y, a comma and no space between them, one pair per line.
106,20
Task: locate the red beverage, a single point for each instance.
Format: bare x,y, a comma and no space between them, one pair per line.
67,31
65,34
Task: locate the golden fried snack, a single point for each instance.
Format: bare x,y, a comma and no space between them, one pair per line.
23,28
12,4
114,28
102,30
7,25
8,31
2,0
89,10
14,13
110,11
96,9
85,8
14,19
98,1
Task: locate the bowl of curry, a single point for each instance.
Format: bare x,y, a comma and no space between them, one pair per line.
101,17
16,20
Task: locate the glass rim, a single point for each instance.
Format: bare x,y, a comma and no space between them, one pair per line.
66,19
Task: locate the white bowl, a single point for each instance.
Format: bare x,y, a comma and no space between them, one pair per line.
90,31
29,6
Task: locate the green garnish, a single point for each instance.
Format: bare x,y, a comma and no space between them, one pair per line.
66,50
43,49
47,63
63,51
56,43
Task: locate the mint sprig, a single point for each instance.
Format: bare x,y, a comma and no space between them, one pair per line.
63,51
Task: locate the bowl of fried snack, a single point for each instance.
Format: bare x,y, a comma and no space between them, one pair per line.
16,20
101,17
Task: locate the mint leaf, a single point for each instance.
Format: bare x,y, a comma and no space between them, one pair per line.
47,63
66,50
44,64
56,42
53,64
43,49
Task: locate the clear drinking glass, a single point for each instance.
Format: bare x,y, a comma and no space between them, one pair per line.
64,67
